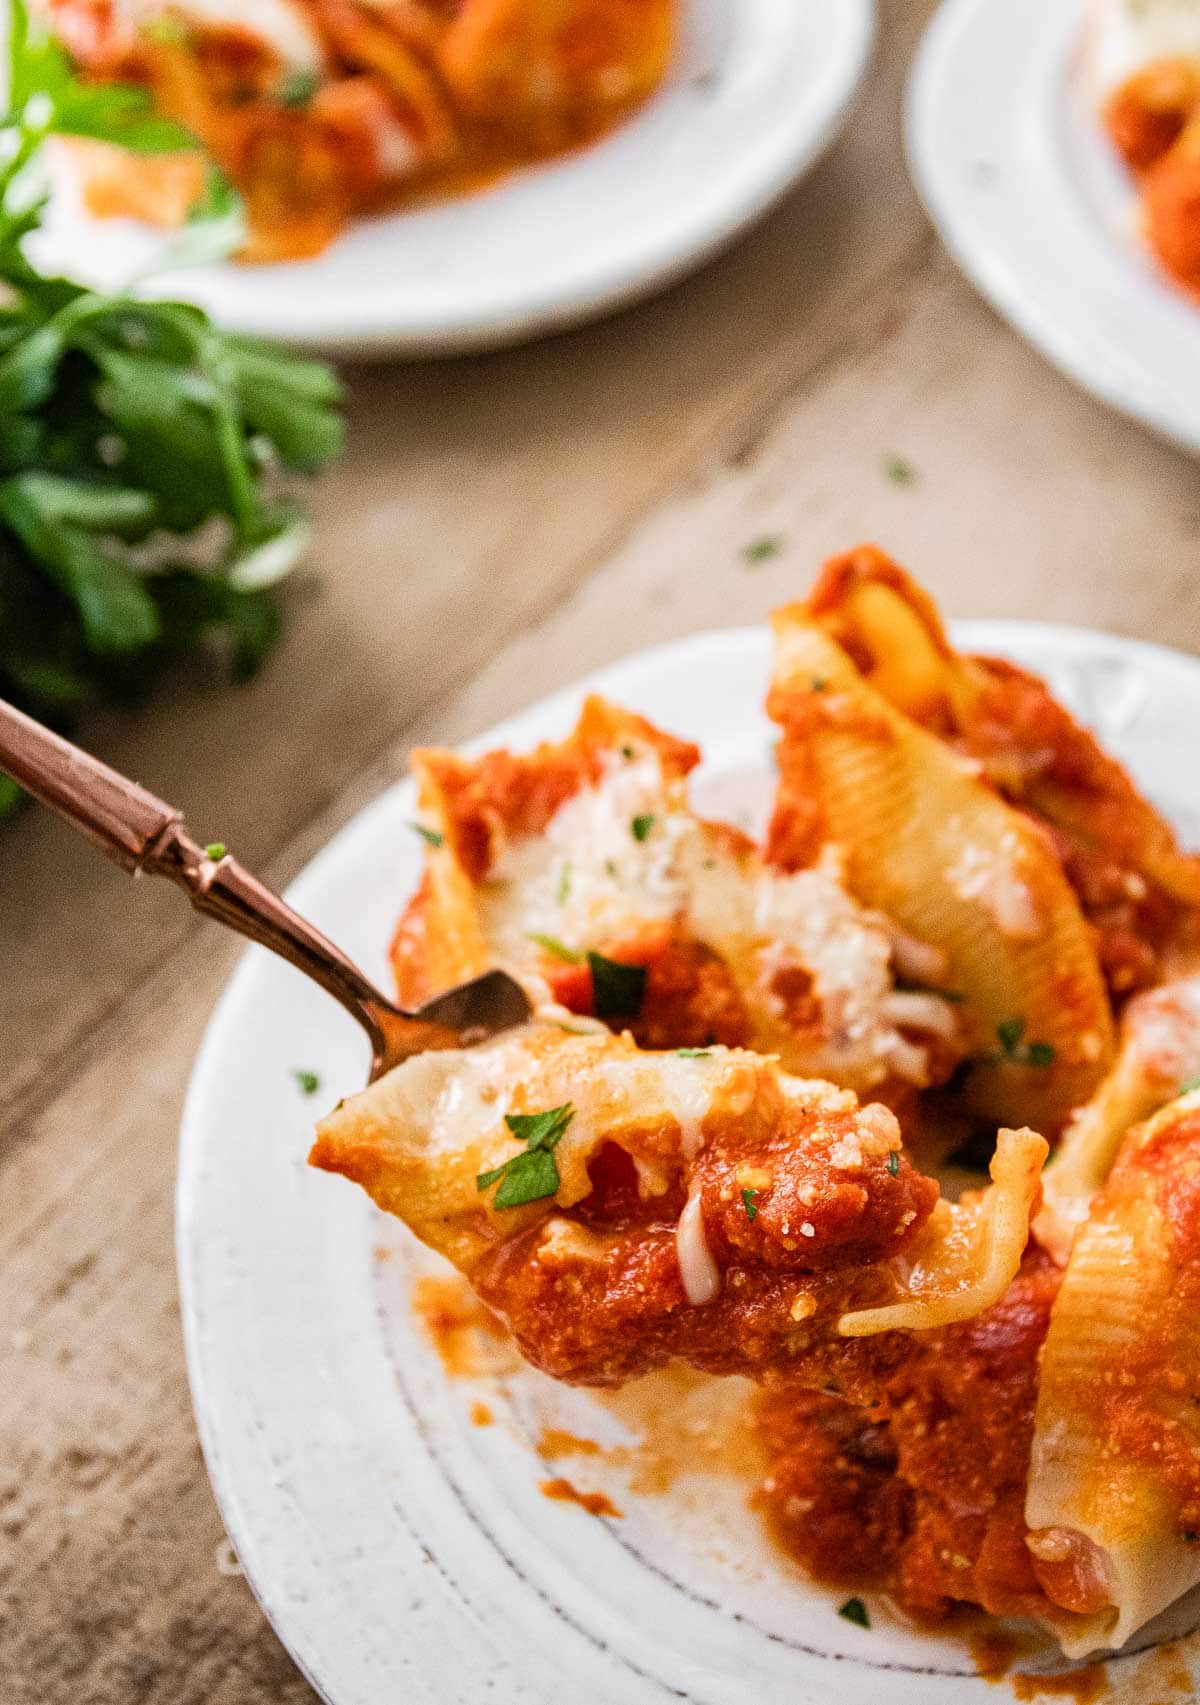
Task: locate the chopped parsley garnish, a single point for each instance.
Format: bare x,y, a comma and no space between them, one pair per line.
893,1163
758,550
692,1053
533,1174
1010,1033
1188,1537
557,949
297,88
309,1082
640,827
899,470
564,885
1188,1085
617,989
750,1203
627,753
819,684
610,868
215,850
854,1610
432,836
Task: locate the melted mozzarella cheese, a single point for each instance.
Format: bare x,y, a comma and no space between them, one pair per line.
765,923
990,876
699,1272
588,880
1125,35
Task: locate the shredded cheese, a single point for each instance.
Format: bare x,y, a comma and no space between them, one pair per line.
699,1272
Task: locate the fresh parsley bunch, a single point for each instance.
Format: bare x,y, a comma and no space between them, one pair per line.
143,453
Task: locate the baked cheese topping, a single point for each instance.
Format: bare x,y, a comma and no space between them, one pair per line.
607,864
624,856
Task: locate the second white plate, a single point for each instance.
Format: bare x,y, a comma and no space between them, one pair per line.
1007,152
758,90
407,1556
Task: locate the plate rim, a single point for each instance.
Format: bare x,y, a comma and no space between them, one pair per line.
987,634
987,257
544,307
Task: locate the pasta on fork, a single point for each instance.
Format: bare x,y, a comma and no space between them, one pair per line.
694,1205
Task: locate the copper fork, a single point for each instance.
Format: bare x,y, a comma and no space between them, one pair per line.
144,835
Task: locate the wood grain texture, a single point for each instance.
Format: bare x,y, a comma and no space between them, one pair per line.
499,526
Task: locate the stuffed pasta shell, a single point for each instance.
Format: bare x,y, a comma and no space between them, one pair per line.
929,843
619,1209
582,870
1135,886
1113,1504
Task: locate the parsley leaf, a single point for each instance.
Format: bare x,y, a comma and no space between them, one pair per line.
563,890
750,1203
758,550
215,850
432,837
617,989
1010,1033
557,949
693,1053
1188,1085
640,827
899,470
533,1174
309,1082
297,88
893,1163
854,1610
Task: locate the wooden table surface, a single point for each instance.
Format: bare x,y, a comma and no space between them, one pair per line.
498,526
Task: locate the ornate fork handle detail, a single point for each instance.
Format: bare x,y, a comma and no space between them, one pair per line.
144,834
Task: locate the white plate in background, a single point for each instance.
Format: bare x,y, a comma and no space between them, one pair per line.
758,90
1008,154
407,1557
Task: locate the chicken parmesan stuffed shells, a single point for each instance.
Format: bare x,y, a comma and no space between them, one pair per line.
1113,1503
926,841
620,1209
582,870
1135,886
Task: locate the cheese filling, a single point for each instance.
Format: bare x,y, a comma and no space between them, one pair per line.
624,858
699,1272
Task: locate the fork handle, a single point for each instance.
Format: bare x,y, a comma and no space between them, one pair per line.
144,834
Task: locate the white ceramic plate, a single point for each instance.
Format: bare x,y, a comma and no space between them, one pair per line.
1007,152
405,1555
759,88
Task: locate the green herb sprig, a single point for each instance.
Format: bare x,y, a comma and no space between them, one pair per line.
854,1610
1014,1049
143,510
618,990
532,1174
